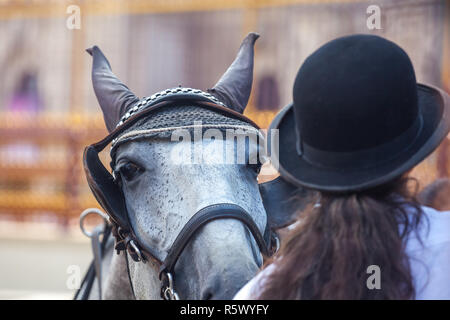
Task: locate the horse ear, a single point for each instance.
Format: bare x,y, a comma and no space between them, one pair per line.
282,202
113,96
235,85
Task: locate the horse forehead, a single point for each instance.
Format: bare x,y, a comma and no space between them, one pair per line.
143,149
211,178
167,150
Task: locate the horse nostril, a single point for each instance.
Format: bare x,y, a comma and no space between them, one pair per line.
212,288
223,287
207,295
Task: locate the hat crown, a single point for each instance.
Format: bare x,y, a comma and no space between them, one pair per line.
354,93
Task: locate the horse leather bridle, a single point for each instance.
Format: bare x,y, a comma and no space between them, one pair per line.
140,252
110,196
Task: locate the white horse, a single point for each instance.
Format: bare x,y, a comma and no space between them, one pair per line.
162,195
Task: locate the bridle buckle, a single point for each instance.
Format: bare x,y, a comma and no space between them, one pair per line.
134,251
125,242
168,291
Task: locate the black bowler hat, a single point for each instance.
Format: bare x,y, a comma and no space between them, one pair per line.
359,119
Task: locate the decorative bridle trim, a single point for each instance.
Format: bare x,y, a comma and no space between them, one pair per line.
144,102
209,126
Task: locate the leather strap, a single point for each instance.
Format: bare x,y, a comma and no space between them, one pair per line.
88,280
97,251
202,217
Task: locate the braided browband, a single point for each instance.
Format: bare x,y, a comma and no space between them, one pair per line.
144,102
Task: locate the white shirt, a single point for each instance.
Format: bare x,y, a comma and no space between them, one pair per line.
429,261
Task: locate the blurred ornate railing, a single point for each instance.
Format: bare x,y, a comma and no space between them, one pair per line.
40,162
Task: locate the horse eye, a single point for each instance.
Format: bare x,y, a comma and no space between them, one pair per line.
130,170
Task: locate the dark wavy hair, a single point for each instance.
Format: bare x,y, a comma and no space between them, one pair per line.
327,255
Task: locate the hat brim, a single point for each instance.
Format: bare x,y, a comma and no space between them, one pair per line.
434,107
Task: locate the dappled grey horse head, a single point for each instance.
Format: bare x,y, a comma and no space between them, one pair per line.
166,177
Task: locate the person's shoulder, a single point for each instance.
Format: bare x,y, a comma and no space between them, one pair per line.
433,212
429,252
437,219
434,229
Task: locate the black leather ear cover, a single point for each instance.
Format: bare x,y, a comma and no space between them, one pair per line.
105,190
281,208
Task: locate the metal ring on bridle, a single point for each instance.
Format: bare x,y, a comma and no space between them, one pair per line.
87,212
137,251
169,292
277,243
